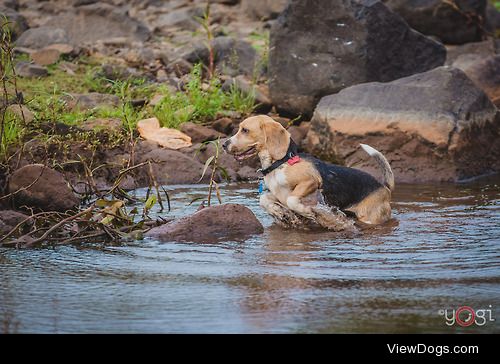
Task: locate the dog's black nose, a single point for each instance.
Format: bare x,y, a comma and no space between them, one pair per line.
226,144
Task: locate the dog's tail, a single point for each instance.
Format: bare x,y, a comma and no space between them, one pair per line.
383,163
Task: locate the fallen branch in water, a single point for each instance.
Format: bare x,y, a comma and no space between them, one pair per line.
106,219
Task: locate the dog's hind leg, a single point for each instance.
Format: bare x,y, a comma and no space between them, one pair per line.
332,218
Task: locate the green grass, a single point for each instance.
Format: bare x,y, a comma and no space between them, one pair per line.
497,4
11,134
201,102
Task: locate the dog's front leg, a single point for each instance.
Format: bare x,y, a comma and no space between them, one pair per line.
294,201
281,214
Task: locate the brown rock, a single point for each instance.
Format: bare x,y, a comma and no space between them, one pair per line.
229,221
9,219
41,188
485,48
170,167
223,125
263,9
21,112
298,133
63,48
111,124
45,57
484,72
200,133
180,67
28,70
93,22
91,101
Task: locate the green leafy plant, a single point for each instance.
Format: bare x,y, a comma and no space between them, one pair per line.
213,163
240,101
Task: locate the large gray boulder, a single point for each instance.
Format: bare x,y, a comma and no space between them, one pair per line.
17,22
484,72
453,22
40,37
41,188
89,23
319,47
434,126
210,224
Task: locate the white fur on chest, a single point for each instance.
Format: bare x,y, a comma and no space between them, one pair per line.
278,185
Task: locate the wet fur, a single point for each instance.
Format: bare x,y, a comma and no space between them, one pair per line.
312,191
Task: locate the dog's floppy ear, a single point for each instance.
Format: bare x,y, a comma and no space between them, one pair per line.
276,139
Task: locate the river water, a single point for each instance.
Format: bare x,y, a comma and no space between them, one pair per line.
440,252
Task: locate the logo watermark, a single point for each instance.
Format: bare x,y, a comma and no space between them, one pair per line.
466,316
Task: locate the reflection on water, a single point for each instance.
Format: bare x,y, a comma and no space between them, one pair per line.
441,251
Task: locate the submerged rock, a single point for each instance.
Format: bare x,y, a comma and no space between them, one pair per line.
453,22
228,221
434,126
42,188
321,47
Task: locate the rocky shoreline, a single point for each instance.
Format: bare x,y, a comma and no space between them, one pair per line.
421,86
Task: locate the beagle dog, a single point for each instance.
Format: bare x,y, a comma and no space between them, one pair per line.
299,183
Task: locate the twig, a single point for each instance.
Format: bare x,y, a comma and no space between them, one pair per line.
23,222
58,225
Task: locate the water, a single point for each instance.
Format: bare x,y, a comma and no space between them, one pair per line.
441,251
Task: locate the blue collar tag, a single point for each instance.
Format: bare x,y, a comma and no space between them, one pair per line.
262,186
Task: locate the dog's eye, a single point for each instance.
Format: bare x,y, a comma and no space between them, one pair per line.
244,130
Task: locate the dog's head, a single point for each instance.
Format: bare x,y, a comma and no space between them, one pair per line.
257,134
